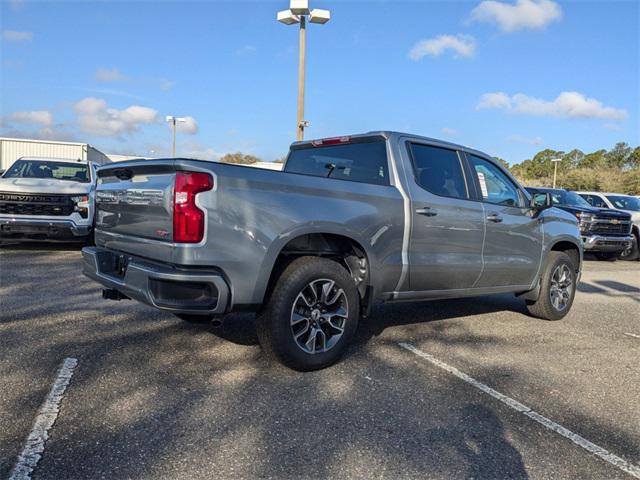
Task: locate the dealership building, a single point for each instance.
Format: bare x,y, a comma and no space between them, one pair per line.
11,149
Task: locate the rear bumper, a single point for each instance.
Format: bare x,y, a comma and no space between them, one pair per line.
603,243
162,286
42,229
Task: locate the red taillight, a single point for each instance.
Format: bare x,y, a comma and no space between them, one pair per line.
331,141
188,219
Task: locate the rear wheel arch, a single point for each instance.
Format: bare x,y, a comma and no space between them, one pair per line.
343,249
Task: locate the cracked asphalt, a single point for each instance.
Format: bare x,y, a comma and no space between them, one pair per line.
155,397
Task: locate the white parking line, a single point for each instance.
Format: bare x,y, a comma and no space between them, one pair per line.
632,335
605,455
47,415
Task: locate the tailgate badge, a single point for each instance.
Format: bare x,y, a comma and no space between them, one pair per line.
162,233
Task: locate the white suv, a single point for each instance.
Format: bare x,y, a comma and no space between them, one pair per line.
626,203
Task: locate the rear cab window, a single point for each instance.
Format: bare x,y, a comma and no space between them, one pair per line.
439,171
362,160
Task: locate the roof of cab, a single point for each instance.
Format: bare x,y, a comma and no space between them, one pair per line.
392,133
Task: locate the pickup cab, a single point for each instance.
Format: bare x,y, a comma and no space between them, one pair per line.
47,199
350,221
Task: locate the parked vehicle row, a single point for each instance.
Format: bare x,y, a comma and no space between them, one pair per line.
625,203
606,232
350,221
47,199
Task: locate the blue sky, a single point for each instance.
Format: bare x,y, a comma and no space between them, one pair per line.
508,77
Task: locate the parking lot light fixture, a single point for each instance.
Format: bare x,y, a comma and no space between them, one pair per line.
298,13
173,120
555,162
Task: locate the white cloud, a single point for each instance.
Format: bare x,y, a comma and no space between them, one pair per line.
531,14
497,100
523,139
566,105
96,118
110,75
189,126
461,45
40,117
451,132
166,84
15,36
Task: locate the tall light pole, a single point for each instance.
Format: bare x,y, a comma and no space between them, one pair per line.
555,162
298,13
173,120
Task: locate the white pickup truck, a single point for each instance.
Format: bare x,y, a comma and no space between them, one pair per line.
47,199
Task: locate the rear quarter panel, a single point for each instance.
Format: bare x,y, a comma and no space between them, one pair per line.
253,214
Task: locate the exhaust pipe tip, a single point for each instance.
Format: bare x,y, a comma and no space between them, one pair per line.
217,322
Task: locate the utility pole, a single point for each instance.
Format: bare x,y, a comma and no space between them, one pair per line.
173,120
555,162
301,71
298,13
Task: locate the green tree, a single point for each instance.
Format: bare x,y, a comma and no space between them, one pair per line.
239,158
617,157
634,158
594,160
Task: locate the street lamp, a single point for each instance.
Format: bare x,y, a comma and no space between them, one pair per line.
298,13
555,162
173,120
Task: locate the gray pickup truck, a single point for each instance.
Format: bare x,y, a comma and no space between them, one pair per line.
350,221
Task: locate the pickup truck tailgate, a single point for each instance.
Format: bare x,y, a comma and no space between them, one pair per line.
135,199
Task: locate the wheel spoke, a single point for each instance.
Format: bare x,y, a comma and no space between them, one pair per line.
332,324
296,318
335,297
311,341
326,290
304,330
323,337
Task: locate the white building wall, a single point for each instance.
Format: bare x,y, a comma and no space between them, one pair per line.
11,149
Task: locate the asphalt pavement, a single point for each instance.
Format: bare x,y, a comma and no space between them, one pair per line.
155,397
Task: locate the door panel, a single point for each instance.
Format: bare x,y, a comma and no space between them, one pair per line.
512,247
513,238
445,249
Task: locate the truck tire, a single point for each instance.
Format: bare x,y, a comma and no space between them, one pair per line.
632,253
558,288
311,316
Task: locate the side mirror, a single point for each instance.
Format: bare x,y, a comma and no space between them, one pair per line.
2,171
541,201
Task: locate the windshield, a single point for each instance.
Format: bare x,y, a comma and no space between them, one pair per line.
624,202
73,172
568,199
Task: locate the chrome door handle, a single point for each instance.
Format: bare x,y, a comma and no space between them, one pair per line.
426,211
494,217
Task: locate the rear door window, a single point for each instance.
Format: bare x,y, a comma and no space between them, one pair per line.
439,171
364,162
